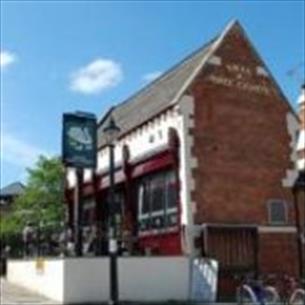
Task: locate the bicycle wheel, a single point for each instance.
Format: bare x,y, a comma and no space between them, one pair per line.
245,295
271,295
297,297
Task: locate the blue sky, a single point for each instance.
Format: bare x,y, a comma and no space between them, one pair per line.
59,56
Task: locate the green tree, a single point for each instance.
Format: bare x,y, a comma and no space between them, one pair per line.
42,202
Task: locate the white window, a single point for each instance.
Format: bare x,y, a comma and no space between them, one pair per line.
157,201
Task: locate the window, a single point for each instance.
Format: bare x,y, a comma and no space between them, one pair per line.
144,203
88,212
171,190
157,201
118,208
157,193
277,210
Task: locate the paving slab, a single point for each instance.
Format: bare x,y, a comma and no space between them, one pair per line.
11,294
15,295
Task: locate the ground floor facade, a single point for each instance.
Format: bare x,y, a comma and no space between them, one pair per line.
149,222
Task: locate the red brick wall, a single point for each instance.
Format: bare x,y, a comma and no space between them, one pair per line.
301,202
241,141
278,253
300,198
243,150
302,117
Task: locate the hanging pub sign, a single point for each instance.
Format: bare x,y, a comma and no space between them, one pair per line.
79,145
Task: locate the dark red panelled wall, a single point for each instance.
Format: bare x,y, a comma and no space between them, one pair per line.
160,242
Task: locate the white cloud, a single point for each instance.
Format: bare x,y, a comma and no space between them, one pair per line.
18,152
97,76
149,77
7,58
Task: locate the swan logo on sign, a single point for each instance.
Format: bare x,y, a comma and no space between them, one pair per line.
79,140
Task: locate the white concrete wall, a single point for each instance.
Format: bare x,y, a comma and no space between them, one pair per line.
81,280
154,278
86,280
49,283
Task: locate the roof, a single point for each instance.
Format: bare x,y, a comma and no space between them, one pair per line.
155,97
166,90
11,190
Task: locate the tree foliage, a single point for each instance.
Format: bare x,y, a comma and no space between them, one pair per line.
42,202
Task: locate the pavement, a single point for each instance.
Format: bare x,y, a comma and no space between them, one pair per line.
11,294
14,295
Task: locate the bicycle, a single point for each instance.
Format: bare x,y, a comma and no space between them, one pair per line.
290,291
297,297
253,291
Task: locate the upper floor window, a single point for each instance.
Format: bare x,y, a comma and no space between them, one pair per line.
277,212
157,200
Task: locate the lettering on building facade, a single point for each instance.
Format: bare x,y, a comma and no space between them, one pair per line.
240,77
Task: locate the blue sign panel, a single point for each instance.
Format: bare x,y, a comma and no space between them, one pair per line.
79,147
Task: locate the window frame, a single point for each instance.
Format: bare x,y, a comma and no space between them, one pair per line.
285,208
165,212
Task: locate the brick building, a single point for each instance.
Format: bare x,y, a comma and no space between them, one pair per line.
205,162
299,189
301,137
7,196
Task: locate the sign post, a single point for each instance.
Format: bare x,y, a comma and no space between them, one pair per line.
79,151
111,132
78,212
